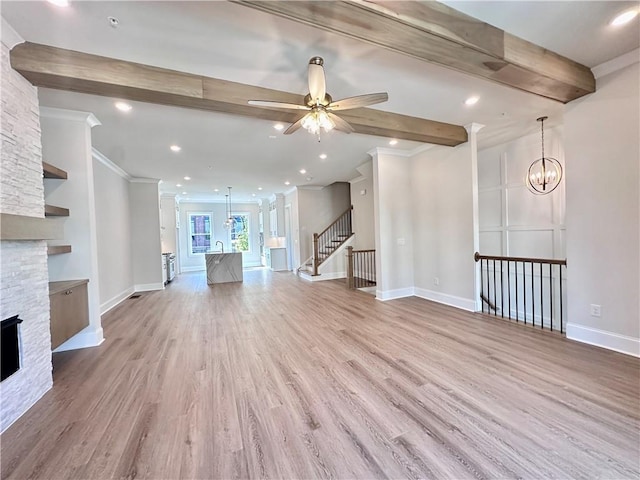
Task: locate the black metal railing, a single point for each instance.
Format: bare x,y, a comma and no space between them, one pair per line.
523,289
332,237
361,268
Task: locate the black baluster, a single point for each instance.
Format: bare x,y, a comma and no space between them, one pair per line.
551,294
517,304
495,301
501,291
533,299
481,286
560,280
541,300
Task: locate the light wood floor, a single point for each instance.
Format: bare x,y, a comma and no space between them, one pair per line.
279,378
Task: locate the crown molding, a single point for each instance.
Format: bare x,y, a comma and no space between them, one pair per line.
100,157
616,64
144,180
473,127
357,179
10,38
71,115
309,187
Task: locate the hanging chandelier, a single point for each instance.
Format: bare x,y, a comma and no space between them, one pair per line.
545,173
229,222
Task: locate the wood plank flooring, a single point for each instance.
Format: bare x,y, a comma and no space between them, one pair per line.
280,378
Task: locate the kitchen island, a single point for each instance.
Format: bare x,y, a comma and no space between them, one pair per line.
223,267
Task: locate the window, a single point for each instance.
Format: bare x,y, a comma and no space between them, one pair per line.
240,232
200,233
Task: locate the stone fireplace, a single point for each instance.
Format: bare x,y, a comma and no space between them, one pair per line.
24,288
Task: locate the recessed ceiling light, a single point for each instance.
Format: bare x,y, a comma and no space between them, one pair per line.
187,178
323,156
287,182
625,17
184,193
272,137
259,188
216,190
175,148
278,126
393,141
123,107
59,3
303,171
253,194
178,185
471,101
113,21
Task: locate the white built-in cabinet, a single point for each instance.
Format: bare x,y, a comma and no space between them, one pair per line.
276,215
276,258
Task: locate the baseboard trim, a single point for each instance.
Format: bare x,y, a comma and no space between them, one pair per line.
148,287
83,339
115,301
385,295
604,339
446,299
323,276
197,268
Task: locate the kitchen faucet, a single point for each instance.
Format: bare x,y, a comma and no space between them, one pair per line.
222,244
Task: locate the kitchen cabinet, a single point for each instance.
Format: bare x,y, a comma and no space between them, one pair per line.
69,307
276,258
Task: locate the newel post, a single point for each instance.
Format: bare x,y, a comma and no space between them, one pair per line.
350,284
316,254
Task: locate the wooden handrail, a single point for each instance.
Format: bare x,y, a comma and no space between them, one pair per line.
548,261
336,221
362,251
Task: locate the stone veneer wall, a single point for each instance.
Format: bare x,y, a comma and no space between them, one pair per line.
24,277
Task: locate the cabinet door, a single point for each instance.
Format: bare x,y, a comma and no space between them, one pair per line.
69,314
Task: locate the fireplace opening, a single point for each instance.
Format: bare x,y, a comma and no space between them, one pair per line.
10,353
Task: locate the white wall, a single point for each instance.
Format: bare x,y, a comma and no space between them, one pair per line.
393,207
291,200
514,221
113,224
24,289
443,233
190,263
602,147
168,234
363,212
66,143
146,249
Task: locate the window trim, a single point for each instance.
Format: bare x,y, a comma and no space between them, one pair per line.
190,234
248,215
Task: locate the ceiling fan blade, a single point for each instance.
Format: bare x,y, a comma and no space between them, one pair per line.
340,124
294,126
317,82
267,103
359,101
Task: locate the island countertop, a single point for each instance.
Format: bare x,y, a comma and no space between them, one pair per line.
223,267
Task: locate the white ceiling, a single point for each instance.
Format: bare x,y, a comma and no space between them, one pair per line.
236,43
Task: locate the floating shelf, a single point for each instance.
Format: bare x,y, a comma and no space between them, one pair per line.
53,211
49,171
20,227
58,249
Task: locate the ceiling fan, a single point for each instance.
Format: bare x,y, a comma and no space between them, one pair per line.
320,106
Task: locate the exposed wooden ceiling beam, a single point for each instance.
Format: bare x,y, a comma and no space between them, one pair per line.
439,34
52,67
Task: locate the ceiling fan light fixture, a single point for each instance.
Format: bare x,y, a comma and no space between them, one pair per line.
317,119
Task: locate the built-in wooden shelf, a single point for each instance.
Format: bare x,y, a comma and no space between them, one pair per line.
49,171
53,211
58,249
21,227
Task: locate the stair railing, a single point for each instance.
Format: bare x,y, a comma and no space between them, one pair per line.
361,268
327,241
520,288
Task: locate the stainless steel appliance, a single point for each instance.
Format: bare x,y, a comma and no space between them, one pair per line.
170,260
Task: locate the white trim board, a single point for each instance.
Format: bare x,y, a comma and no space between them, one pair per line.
197,268
446,299
116,300
604,339
323,276
83,339
384,295
148,287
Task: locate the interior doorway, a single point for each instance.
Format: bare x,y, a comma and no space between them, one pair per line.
289,236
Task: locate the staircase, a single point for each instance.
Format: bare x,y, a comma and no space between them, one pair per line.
326,243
